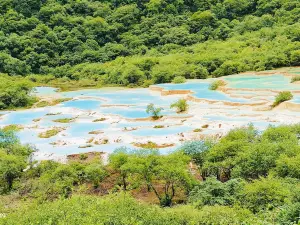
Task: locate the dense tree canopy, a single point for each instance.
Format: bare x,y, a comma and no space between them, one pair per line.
134,41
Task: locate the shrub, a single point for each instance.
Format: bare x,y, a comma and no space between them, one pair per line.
197,130
123,209
50,133
179,80
295,78
64,120
265,194
99,120
282,97
83,156
214,192
216,84
154,111
181,105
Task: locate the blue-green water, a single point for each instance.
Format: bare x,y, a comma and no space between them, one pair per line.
201,90
121,106
274,82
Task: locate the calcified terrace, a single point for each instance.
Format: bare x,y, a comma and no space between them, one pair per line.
105,119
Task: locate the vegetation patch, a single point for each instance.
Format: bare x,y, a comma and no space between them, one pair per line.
90,140
50,133
104,141
13,127
36,120
85,146
197,130
179,80
295,79
45,103
154,111
99,120
282,97
64,120
53,114
152,145
181,105
96,132
159,126
15,92
216,84
83,156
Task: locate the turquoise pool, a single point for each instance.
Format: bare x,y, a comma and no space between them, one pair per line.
274,82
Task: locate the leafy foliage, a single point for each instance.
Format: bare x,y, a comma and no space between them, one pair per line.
143,42
181,105
282,97
154,111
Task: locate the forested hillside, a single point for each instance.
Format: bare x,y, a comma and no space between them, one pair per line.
147,41
246,177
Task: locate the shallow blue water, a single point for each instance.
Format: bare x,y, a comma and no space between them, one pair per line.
296,99
23,117
201,90
161,131
82,129
83,104
44,90
275,82
132,112
47,121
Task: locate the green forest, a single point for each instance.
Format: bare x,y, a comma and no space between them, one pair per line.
246,177
140,42
89,43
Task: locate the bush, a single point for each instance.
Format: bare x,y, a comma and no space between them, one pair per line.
154,111
265,194
295,78
15,93
50,133
179,80
216,84
282,97
214,192
181,105
123,209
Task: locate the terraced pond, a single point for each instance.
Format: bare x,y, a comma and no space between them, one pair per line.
108,118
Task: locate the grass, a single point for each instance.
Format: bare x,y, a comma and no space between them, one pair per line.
86,146
152,145
282,97
53,114
104,141
96,132
36,120
197,130
99,120
295,78
53,102
64,120
13,127
158,126
90,140
50,133
216,84
65,84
